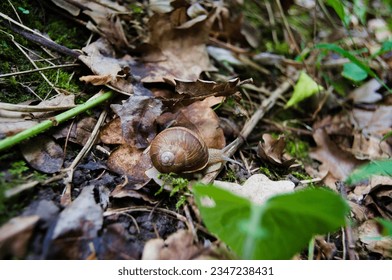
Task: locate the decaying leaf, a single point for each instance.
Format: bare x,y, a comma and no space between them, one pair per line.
369,235
272,151
138,114
178,246
15,235
127,160
169,56
100,58
97,80
258,188
77,226
43,154
111,133
78,132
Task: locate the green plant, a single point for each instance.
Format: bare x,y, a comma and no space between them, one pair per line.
178,185
377,167
278,229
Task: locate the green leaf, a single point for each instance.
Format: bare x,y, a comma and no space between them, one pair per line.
305,88
380,167
277,229
353,72
339,9
353,59
386,226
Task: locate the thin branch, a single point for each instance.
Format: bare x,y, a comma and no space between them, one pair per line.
38,69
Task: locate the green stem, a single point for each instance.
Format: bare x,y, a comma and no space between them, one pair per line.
311,249
33,131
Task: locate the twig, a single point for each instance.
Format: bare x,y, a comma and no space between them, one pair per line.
265,106
66,198
38,69
31,109
39,128
349,239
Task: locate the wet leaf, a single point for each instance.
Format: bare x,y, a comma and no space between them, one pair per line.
305,88
15,235
43,154
138,114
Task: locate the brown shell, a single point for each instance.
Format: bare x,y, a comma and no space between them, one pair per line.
181,149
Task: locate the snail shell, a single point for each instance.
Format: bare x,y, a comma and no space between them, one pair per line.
178,150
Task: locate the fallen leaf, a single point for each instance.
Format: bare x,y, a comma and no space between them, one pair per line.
43,154
369,234
138,114
258,188
100,58
127,160
78,224
78,132
272,151
111,133
334,161
15,235
178,246
367,93
97,80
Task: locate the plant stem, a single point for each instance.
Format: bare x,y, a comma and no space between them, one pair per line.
39,128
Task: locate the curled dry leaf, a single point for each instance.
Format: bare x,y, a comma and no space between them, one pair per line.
97,80
258,188
272,151
127,160
178,246
15,235
100,58
43,154
138,114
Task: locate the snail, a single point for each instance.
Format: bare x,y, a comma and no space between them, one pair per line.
180,150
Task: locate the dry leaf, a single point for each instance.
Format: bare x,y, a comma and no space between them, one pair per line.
78,132
100,58
367,93
127,160
138,114
335,162
178,246
111,133
78,224
15,235
369,234
43,154
97,80
258,188
272,151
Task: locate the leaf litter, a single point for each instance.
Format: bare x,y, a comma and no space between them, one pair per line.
157,56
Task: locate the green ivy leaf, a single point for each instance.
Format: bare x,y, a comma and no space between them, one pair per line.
353,72
305,88
277,229
379,167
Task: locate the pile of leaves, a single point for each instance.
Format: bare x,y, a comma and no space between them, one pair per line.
303,103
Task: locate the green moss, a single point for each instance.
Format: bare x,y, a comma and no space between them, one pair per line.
178,184
297,148
229,176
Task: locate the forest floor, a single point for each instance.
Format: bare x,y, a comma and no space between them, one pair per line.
295,94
